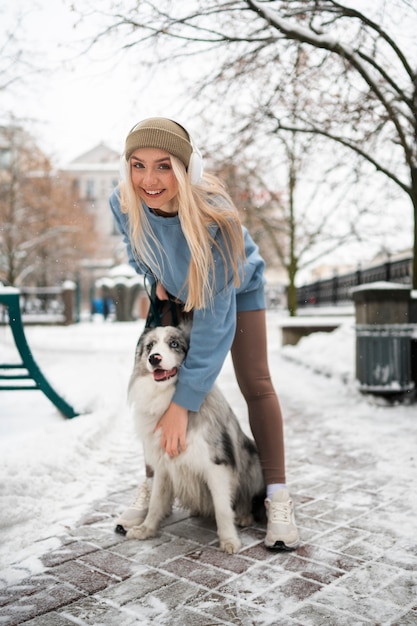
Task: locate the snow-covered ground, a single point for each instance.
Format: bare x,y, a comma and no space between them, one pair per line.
52,468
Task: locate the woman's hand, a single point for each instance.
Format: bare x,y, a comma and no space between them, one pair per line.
161,291
173,427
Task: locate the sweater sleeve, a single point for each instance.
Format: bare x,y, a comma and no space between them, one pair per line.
211,339
212,334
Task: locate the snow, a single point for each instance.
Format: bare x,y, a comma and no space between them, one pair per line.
53,468
382,285
317,352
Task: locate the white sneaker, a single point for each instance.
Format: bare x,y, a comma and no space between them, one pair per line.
136,512
281,532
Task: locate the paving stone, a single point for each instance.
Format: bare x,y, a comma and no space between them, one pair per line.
311,528
94,517
108,562
81,576
402,555
371,548
165,600
93,611
369,576
330,558
193,533
258,552
341,537
196,572
144,582
155,551
232,563
50,619
190,617
45,601
401,590
100,537
359,605
408,619
315,508
315,615
255,584
315,571
287,592
67,552
299,588
26,587
229,610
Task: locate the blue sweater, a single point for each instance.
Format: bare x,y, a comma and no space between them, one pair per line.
213,328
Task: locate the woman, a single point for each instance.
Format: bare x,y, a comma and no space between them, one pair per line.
183,232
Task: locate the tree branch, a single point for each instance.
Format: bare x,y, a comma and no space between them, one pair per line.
347,144
305,35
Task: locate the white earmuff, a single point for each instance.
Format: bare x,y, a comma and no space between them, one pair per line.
123,168
195,166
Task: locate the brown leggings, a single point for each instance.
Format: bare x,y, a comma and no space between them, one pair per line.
250,361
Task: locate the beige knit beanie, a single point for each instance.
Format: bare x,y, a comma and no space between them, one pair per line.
162,133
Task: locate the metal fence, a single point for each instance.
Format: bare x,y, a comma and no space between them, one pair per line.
41,301
47,305
337,290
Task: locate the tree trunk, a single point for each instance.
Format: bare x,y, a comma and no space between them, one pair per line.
292,297
414,201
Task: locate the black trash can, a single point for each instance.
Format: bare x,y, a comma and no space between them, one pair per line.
384,339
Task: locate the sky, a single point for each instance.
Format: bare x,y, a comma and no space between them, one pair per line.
82,99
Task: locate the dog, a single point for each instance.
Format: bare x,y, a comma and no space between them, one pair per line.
219,473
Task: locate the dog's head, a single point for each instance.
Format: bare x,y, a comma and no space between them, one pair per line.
161,351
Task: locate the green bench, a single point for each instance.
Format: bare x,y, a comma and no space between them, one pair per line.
27,370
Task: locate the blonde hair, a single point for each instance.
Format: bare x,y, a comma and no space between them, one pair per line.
199,207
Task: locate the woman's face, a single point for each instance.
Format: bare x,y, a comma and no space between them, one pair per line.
153,178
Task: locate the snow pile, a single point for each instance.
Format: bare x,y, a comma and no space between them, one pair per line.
330,354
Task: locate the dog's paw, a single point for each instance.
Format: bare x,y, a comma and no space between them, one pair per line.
231,545
244,520
140,532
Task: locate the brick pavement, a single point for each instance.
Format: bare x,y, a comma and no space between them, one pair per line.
355,565
350,569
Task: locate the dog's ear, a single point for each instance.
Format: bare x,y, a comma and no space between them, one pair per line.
185,328
141,342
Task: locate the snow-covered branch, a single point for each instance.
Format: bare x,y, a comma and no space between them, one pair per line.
345,51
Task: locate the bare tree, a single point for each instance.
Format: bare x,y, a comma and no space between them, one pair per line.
363,61
17,62
44,233
284,212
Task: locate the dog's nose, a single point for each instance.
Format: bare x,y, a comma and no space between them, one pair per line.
155,359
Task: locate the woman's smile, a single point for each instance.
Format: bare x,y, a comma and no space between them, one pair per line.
153,178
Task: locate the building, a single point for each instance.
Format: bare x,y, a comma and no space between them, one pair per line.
95,174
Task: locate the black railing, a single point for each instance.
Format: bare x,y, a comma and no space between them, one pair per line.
337,290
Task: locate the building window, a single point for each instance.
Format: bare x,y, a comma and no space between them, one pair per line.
76,186
90,191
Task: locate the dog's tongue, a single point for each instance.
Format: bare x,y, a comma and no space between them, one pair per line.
164,374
